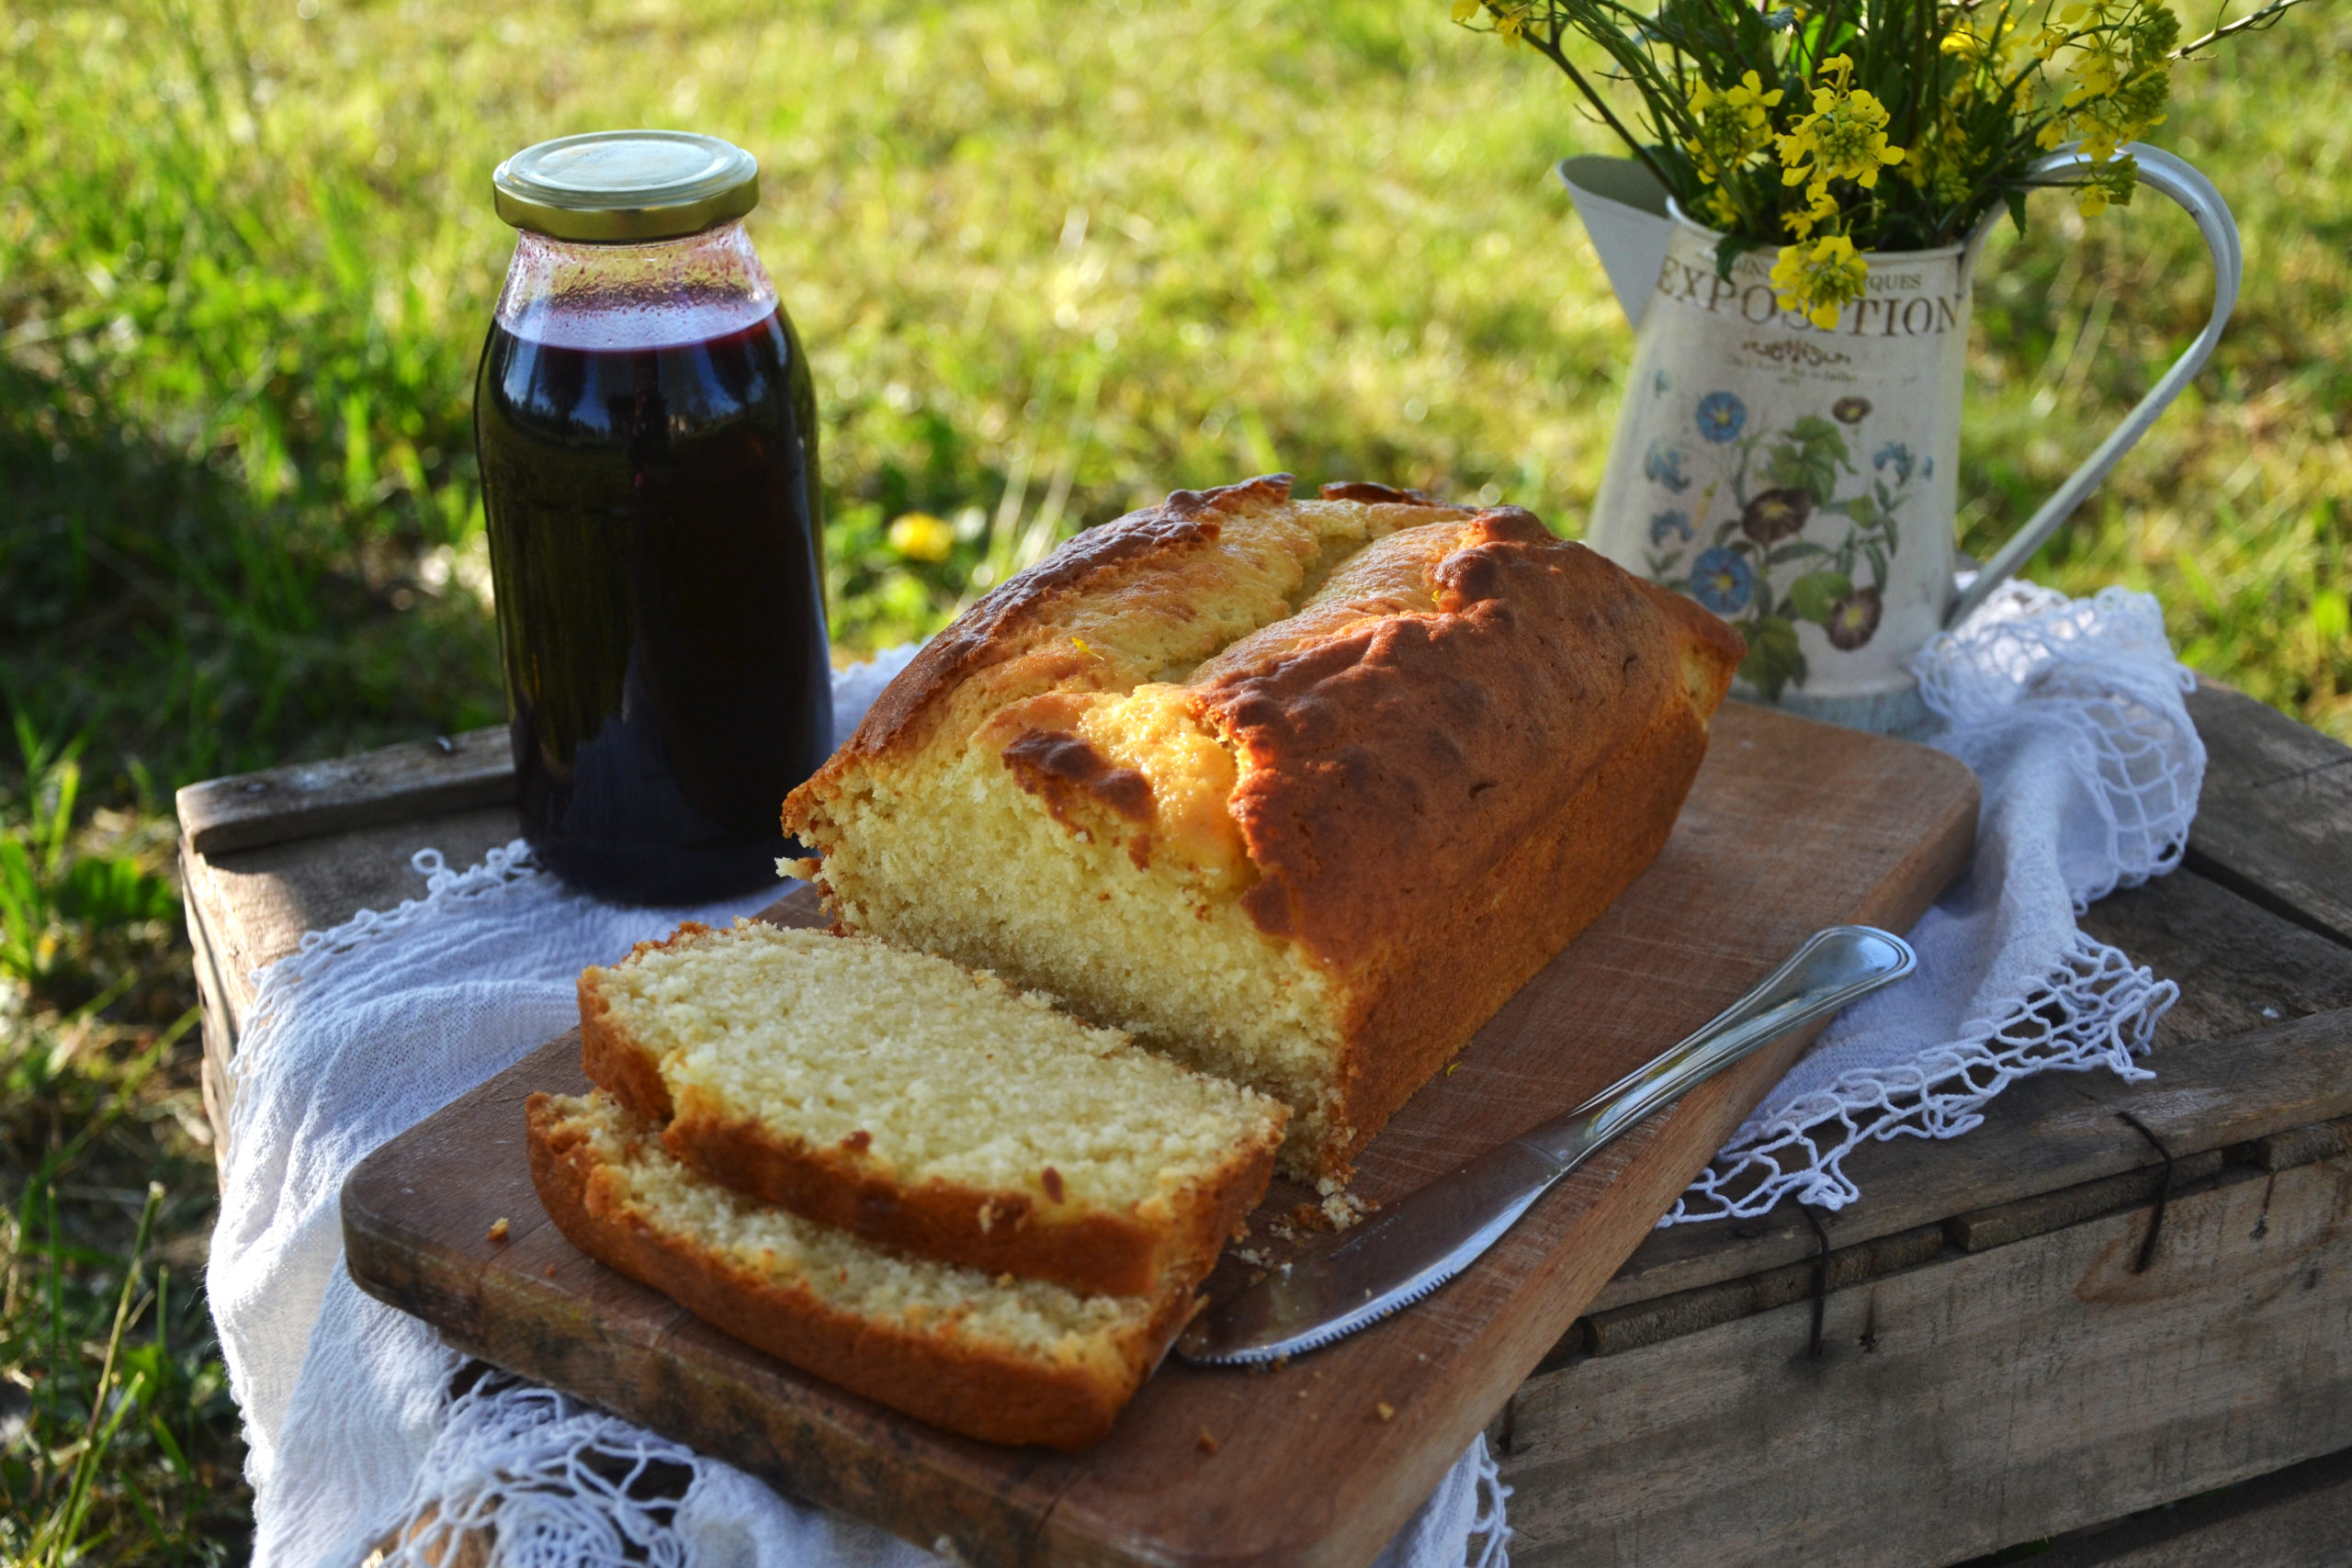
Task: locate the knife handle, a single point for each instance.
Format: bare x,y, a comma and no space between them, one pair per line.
1837,966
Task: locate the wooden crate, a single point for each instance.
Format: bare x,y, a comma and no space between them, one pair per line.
1970,1358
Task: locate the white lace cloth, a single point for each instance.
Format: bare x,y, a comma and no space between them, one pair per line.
352,1418
2070,712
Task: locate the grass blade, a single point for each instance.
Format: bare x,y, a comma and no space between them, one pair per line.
62,1530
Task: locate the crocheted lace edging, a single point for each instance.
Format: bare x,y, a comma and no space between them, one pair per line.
2096,1009
552,1480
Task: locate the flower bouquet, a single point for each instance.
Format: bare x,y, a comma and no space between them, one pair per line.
1787,447
1842,126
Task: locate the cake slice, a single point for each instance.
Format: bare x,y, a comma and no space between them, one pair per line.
1296,790
927,1106
1003,1359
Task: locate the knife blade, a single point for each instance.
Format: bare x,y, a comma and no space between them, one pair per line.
1431,1236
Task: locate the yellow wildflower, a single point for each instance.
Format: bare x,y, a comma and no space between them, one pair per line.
1843,139
918,536
1734,125
1509,17
2120,76
1822,207
1820,278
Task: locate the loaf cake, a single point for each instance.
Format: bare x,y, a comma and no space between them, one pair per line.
927,1106
1296,791
1004,1360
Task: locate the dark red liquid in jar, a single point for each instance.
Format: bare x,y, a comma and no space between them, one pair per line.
650,485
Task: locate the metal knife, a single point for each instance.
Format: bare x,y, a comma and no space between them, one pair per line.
1429,1237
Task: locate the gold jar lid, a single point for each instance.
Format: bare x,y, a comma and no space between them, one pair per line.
623,185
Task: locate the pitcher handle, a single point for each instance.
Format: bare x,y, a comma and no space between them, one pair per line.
2162,172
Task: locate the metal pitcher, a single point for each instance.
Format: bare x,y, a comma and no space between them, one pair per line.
1801,481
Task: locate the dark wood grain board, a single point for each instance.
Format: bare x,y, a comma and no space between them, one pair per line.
448,773
2275,821
1792,826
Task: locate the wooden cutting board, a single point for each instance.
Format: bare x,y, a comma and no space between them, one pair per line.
1792,826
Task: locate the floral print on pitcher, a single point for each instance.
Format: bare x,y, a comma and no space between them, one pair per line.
1788,527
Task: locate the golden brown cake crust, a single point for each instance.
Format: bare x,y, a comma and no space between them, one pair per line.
612,1060
1393,765
1010,1233
1405,800
996,1398
990,632
1565,874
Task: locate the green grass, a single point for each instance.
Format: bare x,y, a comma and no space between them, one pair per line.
1051,260
117,1436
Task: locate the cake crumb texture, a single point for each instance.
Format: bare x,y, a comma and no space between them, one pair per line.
928,1106
1004,1360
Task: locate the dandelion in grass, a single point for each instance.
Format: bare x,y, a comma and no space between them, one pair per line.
918,536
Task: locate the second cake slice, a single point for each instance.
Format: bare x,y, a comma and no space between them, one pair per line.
926,1106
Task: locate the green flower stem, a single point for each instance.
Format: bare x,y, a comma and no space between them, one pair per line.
2253,21
60,1533
1550,48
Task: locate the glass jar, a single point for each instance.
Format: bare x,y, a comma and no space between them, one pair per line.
648,435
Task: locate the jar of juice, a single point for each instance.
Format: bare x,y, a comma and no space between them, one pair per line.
648,435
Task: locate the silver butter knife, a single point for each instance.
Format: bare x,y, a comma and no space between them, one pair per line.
1429,1237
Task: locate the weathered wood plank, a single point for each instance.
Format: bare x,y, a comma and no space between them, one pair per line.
222,1003
2239,967
1981,1229
249,908
1614,1330
1977,1400
2275,822
2296,1517
2239,970
2301,1145
419,778
1624,1329
258,902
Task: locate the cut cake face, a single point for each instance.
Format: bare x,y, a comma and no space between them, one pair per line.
927,1106
1004,1360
